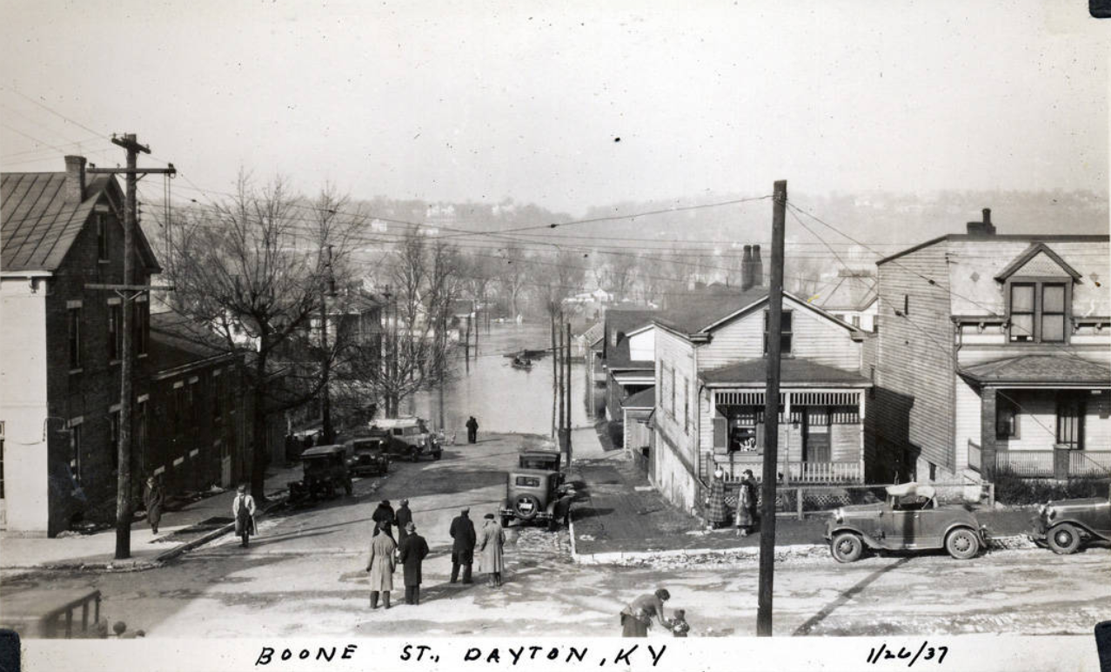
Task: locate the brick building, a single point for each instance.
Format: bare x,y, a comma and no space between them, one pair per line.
60,343
992,353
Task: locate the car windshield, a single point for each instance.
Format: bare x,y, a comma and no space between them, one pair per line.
538,463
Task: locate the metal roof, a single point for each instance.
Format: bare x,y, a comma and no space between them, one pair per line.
1053,370
38,225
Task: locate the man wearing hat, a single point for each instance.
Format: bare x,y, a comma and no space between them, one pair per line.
243,511
385,517
403,517
462,548
412,552
491,546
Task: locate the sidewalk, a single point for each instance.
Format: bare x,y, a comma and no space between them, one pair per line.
618,515
193,524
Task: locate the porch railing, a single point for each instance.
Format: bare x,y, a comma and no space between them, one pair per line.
1027,463
1059,464
1089,463
793,472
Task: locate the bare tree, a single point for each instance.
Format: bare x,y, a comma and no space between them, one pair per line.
514,275
425,279
617,275
251,270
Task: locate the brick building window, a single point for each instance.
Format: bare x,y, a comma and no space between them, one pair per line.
75,450
784,333
73,321
179,408
115,331
217,397
1038,312
141,327
102,236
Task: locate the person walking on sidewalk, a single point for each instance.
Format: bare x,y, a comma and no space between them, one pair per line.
385,517
381,565
472,430
462,546
412,552
715,509
403,518
492,546
154,500
746,504
636,617
563,508
243,510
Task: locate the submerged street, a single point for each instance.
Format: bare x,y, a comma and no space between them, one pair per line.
303,576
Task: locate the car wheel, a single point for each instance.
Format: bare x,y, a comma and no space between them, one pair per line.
846,547
1064,539
413,456
962,544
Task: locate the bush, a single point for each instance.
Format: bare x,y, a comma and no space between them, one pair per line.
1012,489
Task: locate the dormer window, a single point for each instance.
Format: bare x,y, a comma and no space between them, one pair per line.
1038,311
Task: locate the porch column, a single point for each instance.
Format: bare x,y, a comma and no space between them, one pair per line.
988,399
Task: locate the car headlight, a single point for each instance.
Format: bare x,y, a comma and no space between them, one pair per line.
1051,513
839,516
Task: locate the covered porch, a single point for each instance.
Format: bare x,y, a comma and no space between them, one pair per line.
821,423
1038,417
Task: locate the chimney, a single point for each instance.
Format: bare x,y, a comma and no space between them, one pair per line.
746,268
75,179
984,228
757,267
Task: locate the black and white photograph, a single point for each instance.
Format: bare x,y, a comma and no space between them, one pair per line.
645,335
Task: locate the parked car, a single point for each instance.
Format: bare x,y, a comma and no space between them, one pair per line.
325,470
544,460
369,454
530,496
909,519
410,438
1064,525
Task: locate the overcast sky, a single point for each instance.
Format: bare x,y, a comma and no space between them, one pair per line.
484,101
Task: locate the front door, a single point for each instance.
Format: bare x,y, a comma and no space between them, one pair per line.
815,435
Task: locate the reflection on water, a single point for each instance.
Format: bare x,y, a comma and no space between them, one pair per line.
502,398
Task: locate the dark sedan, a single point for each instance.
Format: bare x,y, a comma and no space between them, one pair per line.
1064,525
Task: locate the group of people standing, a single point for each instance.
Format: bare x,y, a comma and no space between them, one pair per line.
410,549
745,515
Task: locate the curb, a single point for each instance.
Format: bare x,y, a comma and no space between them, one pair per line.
1010,543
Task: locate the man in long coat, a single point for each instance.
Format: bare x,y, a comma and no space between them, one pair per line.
243,511
491,544
462,547
472,430
385,517
403,517
381,565
154,501
412,552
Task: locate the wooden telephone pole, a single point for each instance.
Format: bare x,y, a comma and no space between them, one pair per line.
771,416
128,292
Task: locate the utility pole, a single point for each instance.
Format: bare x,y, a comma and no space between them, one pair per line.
555,365
325,356
771,416
128,291
559,375
567,384
467,346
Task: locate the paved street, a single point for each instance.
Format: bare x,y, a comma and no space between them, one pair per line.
303,577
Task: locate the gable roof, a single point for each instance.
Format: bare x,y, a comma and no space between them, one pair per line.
1005,237
703,314
39,226
1032,252
643,399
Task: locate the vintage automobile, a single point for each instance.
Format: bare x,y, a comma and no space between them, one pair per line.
326,470
369,454
1064,525
530,496
410,438
908,520
544,460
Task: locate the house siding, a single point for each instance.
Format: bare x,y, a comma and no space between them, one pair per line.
916,368
676,454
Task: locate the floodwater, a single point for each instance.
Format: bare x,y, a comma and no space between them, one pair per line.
501,398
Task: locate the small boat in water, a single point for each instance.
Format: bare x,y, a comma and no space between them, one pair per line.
521,363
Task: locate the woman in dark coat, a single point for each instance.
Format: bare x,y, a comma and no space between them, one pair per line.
154,501
403,517
636,617
746,504
412,551
385,517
